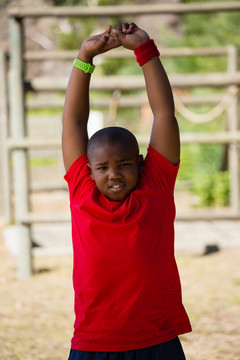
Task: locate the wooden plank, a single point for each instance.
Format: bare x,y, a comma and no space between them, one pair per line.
38,143
137,82
211,138
45,55
207,216
32,218
39,187
204,138
123,102
187,138
124,10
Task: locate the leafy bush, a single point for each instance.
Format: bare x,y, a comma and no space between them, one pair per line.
213,189
200,166
197,160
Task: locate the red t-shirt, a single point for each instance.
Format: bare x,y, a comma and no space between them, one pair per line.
126,282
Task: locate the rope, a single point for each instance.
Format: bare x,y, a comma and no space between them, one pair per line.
212,114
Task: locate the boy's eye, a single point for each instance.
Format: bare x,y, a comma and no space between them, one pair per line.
124,164
102,168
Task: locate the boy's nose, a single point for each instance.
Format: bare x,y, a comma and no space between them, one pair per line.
114,173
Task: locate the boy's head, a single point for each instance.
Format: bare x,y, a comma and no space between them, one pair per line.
114,161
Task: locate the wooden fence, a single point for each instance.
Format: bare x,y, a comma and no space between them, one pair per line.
19,143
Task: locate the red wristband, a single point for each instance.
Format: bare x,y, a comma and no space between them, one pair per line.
146,52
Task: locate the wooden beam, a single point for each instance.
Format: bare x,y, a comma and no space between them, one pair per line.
137,82
207,216
123,102
45,55
211,138
32,218
38,143
204,138
187,138
46,187
125,10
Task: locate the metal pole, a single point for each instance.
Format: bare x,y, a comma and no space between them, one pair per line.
4,170
19,156
233,127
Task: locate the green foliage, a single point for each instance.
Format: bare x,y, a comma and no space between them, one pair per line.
196,160
213,189
202,30
200,164
81,29
221,189
68,41
120,67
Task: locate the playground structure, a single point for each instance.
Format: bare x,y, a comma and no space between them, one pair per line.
18,144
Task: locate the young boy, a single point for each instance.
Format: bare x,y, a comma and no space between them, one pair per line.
128,301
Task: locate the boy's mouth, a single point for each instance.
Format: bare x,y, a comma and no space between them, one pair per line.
117,187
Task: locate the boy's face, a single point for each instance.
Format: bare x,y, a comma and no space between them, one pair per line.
115,170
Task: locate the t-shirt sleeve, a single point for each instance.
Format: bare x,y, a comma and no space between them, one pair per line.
158,171
78,176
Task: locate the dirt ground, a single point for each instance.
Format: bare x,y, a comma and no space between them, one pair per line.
37,314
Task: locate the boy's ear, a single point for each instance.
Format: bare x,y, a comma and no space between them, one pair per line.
90,169
140,163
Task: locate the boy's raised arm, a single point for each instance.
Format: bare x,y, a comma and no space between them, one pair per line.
76,107
165,132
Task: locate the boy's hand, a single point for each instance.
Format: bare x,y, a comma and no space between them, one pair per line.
130,36
98,44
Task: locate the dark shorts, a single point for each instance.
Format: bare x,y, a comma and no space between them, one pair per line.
170,350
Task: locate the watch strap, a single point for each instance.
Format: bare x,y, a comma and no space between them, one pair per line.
87,68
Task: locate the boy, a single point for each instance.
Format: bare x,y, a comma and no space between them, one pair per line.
127,290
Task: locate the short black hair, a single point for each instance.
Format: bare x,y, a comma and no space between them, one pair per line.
112,135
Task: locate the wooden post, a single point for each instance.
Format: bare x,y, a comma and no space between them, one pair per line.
19,156
4,155
233,126
113,107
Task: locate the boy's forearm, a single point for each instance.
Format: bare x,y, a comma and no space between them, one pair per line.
158,88
77,98
165,132
76,108
157,83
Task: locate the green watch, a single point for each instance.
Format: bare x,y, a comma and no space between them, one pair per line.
87,68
